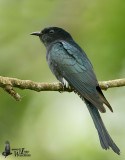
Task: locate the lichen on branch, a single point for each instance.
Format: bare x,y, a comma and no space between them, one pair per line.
8,84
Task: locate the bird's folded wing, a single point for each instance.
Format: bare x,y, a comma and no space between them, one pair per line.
76,68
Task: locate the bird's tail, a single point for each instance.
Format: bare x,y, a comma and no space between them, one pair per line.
105,139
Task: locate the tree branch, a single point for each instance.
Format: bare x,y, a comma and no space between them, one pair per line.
9,83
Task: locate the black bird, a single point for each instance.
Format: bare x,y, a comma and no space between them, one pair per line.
7,149
71,66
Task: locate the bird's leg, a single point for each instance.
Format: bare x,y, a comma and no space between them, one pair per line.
65,83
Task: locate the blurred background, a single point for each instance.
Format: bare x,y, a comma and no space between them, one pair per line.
52,125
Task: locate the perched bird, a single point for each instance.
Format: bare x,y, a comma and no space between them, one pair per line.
7,149
71,66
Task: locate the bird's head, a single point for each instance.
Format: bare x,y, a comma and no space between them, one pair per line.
51,34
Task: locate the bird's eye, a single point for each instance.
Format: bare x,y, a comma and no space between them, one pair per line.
51,31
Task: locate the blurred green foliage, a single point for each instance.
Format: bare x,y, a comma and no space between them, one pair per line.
54,126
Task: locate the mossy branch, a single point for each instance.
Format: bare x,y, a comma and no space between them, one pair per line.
8,84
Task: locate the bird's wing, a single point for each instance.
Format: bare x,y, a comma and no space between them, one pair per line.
76,68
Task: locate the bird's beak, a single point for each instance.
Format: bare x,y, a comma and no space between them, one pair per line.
36,33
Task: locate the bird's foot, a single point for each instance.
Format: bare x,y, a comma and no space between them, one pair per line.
65,83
